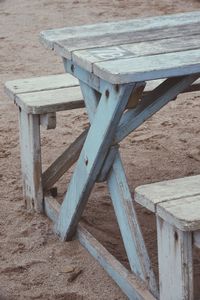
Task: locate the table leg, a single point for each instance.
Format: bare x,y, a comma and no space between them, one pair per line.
101,133
124,210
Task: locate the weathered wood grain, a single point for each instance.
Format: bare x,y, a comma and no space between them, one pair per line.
150,195
152,103
121,198
151,85
175,262
38,84
66,48
149,67
91,99
49,37
88,57
63,162
129,226
50,100
130,284
183,213
98,141
31,160
108,162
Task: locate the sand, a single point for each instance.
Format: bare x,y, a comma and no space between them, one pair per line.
33,262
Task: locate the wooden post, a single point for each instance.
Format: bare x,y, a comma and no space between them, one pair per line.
175,262
101,133
122,202
31,160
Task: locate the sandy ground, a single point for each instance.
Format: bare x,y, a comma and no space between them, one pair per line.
33,262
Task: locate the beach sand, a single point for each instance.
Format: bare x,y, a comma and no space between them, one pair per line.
34,263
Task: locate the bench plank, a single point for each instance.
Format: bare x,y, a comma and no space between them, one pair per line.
183,213
86,58
150,195
51,100
49,37
150,67
46,94
38,84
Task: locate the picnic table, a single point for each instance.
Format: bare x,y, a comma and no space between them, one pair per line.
113,61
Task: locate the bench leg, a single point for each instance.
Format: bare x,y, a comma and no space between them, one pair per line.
175,262
31,160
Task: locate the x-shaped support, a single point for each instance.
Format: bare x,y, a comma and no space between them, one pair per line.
109,125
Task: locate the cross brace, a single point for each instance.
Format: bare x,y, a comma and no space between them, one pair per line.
105,104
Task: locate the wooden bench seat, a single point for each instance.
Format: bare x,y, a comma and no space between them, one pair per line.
38,100
176,204
46,94
53,93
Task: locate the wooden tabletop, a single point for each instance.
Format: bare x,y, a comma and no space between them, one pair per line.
132,50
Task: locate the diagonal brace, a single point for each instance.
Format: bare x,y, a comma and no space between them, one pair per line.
98,141
123,206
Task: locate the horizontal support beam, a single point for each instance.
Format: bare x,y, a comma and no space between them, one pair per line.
151,85
63,162
132,119
152,103
128,282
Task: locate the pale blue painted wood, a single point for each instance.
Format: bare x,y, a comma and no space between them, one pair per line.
84,76
130,285
98,141
152,103
122,201
150,67
175,260
105,30
91,98
89,56
133,118
129,226
108,162
31,162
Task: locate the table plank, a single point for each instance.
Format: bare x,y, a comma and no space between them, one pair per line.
150,67
49,37
86,58
65,48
